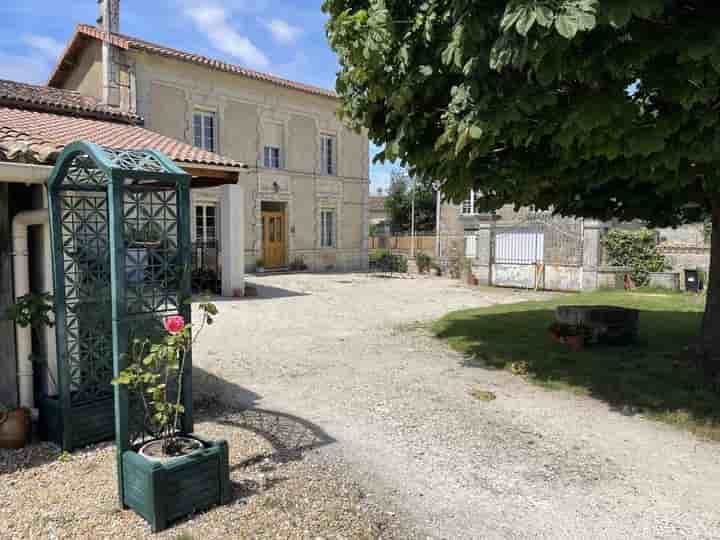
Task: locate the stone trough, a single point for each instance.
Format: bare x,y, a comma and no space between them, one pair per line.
605,324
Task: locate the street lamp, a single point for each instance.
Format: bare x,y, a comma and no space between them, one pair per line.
412,220
437,186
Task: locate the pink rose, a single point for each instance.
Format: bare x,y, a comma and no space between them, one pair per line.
174,324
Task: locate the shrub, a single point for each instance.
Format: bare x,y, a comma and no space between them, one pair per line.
423,261
389,262
636,250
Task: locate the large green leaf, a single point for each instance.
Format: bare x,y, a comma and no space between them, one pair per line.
566,25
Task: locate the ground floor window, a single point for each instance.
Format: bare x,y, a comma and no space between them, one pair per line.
327,228
206,223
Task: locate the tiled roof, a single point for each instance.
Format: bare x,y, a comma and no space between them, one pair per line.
38,137
127,42
30,96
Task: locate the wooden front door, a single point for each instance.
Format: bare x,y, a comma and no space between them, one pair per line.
274,243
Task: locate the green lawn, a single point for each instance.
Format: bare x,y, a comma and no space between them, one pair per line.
653,377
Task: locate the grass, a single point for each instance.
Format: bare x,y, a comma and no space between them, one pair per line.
482,395
654,377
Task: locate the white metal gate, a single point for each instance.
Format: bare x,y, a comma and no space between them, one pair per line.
538,254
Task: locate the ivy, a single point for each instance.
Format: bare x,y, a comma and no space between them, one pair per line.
636,250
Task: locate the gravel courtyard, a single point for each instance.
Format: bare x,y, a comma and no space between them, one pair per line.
350,354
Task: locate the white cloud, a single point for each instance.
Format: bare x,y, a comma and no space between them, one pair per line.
282,32
29,69
213,22
48,46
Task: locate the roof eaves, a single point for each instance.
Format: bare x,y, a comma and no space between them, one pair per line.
127,42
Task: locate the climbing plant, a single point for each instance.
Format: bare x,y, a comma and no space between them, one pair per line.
636,250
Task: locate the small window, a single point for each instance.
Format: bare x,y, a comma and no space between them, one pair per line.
206,223
328,154
204,130
272,157
327,228
468,205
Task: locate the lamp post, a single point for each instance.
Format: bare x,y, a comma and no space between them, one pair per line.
437,186
412,221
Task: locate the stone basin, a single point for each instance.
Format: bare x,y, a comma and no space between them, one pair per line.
605,324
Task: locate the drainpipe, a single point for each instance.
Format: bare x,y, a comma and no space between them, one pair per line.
21,272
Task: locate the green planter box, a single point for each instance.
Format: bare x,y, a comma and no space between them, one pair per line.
85,424
165,492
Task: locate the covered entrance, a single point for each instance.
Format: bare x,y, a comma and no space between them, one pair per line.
274,234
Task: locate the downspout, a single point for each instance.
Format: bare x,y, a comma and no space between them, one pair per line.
21,272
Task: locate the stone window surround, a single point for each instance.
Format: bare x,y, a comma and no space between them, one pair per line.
323,132
203,109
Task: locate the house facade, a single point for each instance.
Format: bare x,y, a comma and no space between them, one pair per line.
306,182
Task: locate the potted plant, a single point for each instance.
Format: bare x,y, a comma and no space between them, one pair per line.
15,426
423,262
260,265
571,335
437,269
173,473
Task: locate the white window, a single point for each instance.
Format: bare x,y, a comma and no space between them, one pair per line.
327,228
273,139
206,219
271,158
328,154
468,205
471,246
204,127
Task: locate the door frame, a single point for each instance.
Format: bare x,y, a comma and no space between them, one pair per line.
265,231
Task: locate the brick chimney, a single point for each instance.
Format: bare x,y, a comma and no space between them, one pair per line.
109,22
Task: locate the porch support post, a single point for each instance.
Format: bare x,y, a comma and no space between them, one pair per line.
232,240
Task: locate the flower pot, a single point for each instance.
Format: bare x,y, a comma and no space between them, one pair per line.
153,449
575,343
164,491
15,428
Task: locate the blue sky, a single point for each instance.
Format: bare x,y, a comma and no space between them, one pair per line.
283,37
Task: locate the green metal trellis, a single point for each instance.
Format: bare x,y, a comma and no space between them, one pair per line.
120,222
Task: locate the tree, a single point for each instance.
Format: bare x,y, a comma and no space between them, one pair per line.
603,109
399,203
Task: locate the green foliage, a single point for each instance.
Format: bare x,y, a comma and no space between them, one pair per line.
603,109
155,373
33,310
384,259
636,250
423,261
399,203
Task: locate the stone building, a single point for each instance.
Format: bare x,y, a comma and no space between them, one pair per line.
307,182
522,248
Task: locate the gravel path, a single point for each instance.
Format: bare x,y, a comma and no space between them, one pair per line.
349,354
51,496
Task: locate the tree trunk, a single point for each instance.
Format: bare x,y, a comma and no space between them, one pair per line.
710,339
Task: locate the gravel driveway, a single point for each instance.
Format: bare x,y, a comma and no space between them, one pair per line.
349,353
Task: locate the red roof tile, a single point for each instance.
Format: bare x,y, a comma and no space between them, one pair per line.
127,42
30,96
39,136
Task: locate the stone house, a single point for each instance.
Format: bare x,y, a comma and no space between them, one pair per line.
306,184
377,213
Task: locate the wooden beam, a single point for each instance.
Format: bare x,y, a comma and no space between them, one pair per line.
8,363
